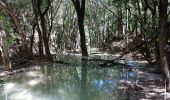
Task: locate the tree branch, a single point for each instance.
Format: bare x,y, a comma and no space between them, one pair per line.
108,9
14,19
47,7
76,4
52,19
149,7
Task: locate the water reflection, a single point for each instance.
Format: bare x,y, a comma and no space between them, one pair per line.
83,94
104,86
63,82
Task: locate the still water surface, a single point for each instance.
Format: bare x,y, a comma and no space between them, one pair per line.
77,81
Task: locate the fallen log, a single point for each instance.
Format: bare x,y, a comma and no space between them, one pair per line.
123,54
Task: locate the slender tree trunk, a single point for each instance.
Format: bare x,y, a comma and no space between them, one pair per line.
40,43
82,36
80,9
120,23
163,17
45,38
141,24
6,59
4,50
32,35
36,24
155,31
42,28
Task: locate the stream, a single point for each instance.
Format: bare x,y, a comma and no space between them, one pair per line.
78,80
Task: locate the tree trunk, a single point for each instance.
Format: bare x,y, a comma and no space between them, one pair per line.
80,9
45,38
40,43
4,50
163,5
32,35
120,23
82,35
42,28
5,57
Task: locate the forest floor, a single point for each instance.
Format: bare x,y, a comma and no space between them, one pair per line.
148,86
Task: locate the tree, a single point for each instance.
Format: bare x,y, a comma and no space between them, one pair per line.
37,25
4,49
15,21
163,18
80,9
40,16
5,44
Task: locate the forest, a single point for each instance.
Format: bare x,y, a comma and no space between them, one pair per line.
84,49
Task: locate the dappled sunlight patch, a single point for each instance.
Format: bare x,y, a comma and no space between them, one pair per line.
116,55
4,73
150,77
167,95
106,54
23,95
149,95
159,90
123,87
34,74
29,95
21,70
125,81
77,54
34,82
9,87
61,92
141,62
140,72
94,49
102,54
152,86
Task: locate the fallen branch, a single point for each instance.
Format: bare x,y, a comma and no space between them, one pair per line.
123,54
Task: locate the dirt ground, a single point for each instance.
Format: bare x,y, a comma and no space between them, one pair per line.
149,86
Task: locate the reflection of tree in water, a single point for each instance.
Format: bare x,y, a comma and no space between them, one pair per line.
61,81
83,94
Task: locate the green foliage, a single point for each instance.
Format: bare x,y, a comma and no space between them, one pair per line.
44,4
4,20
10,40
9,30
101,19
